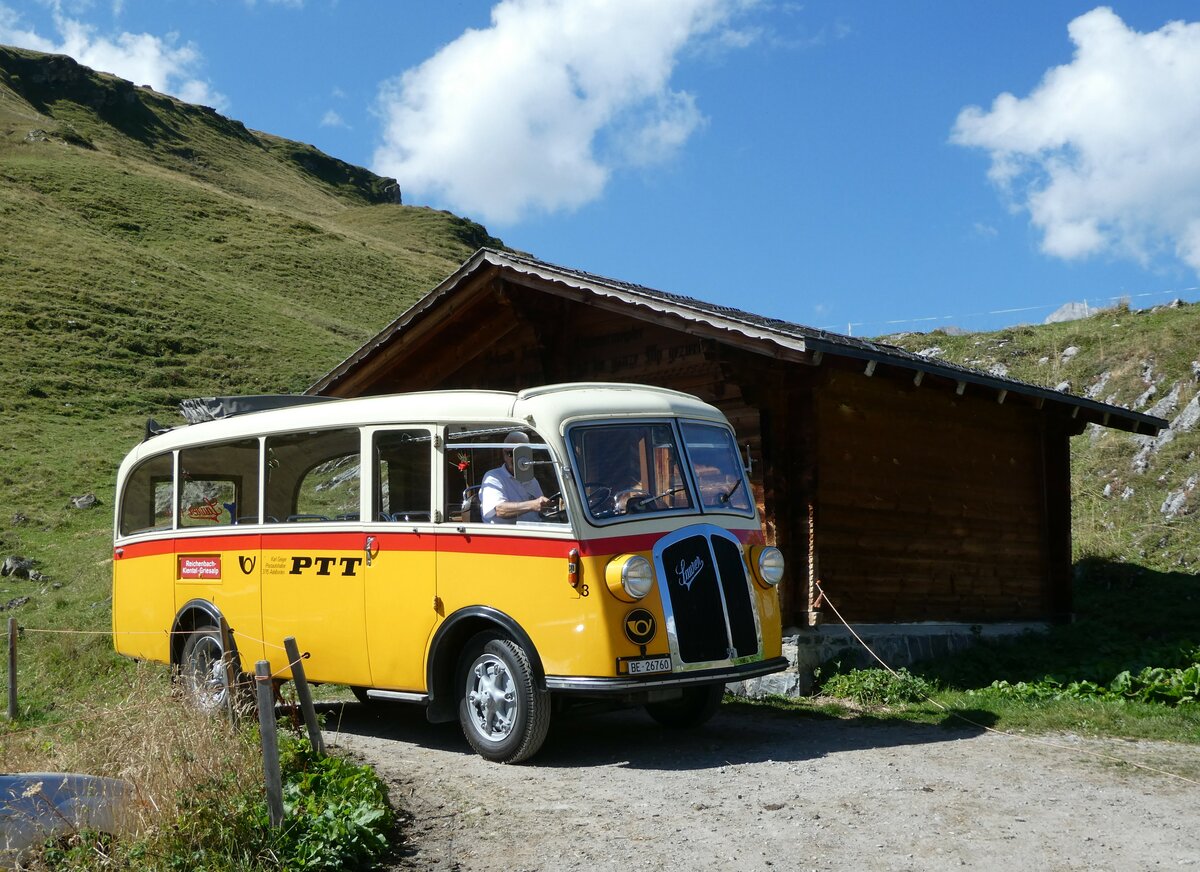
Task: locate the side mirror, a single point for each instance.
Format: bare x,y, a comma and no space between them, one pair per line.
523,463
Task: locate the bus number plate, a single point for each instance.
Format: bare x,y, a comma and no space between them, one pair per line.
647,665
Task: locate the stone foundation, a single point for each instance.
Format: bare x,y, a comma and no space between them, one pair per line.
897,644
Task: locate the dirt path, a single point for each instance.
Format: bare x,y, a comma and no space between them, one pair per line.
756,790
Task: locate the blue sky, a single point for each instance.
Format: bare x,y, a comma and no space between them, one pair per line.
863,166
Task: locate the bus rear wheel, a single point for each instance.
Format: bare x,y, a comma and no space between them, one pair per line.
695,707
202,670
504,716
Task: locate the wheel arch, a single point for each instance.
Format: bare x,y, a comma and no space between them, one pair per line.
448,642
193,615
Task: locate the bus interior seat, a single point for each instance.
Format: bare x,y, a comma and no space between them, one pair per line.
471,510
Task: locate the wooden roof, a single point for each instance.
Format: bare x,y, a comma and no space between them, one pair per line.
772,336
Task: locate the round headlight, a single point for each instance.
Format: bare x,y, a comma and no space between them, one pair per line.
629,577
770,565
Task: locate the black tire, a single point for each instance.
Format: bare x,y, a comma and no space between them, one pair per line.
695,707
202,670
360,694
502,712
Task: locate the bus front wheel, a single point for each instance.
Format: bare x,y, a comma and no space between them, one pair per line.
503,714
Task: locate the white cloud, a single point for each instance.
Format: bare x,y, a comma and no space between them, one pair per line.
163,63
1103,153
332,119
534,113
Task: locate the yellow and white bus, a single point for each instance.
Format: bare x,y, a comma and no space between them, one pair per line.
619,559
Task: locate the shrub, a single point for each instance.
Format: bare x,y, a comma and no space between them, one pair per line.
878,686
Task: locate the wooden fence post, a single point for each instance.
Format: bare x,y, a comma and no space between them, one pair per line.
230,675
305,695
270,741
12,669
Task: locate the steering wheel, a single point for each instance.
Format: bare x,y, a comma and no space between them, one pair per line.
553,510
596,498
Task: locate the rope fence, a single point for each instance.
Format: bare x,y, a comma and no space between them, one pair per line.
1110,758
265,682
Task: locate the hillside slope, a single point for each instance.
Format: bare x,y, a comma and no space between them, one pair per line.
152,250
1135,498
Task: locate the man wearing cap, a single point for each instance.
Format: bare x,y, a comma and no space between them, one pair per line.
503,499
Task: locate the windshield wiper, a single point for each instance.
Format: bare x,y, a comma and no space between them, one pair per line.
640,502
724,498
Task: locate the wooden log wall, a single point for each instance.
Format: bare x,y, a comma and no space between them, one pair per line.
908,503
931,506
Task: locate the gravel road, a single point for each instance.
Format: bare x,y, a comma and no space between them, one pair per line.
757,789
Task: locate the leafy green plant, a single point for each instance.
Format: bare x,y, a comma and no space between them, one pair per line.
873,687
337,813
1151,684
336,816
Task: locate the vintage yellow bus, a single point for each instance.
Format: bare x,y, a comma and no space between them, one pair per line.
493,556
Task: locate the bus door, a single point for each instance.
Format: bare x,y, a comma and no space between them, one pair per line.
214,560
400,557
313,573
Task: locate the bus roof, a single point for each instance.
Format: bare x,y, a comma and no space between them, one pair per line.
540,407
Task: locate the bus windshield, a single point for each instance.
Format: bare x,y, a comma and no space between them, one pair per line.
628,469
717,467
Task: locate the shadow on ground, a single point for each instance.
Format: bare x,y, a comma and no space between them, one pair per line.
740,733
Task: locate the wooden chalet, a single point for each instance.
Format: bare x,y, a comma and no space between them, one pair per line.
914,490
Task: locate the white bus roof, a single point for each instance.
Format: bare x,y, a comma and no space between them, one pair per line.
542,407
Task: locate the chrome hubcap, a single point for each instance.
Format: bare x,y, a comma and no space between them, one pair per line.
207,679
491,698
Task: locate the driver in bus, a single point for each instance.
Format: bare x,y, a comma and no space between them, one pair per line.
503,499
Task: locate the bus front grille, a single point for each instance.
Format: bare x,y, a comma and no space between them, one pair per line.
707,596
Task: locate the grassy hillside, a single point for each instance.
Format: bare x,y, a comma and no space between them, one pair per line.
1135,498
152,250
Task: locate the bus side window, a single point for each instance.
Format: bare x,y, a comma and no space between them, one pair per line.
218,484
149,497
403,467
467,467
313,476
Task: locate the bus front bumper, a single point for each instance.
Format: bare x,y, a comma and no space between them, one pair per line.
623,684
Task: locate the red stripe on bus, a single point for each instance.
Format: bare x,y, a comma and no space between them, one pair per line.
442,540
505,546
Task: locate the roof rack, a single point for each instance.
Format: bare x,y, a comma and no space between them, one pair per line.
200,409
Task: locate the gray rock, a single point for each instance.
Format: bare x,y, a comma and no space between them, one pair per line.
1176,502
1069,353
1094,391
14,603
1145,397
1166,405
18,567
87,501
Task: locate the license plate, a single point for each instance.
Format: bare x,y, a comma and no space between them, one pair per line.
646,665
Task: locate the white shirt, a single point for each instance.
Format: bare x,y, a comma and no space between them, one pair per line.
499,486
